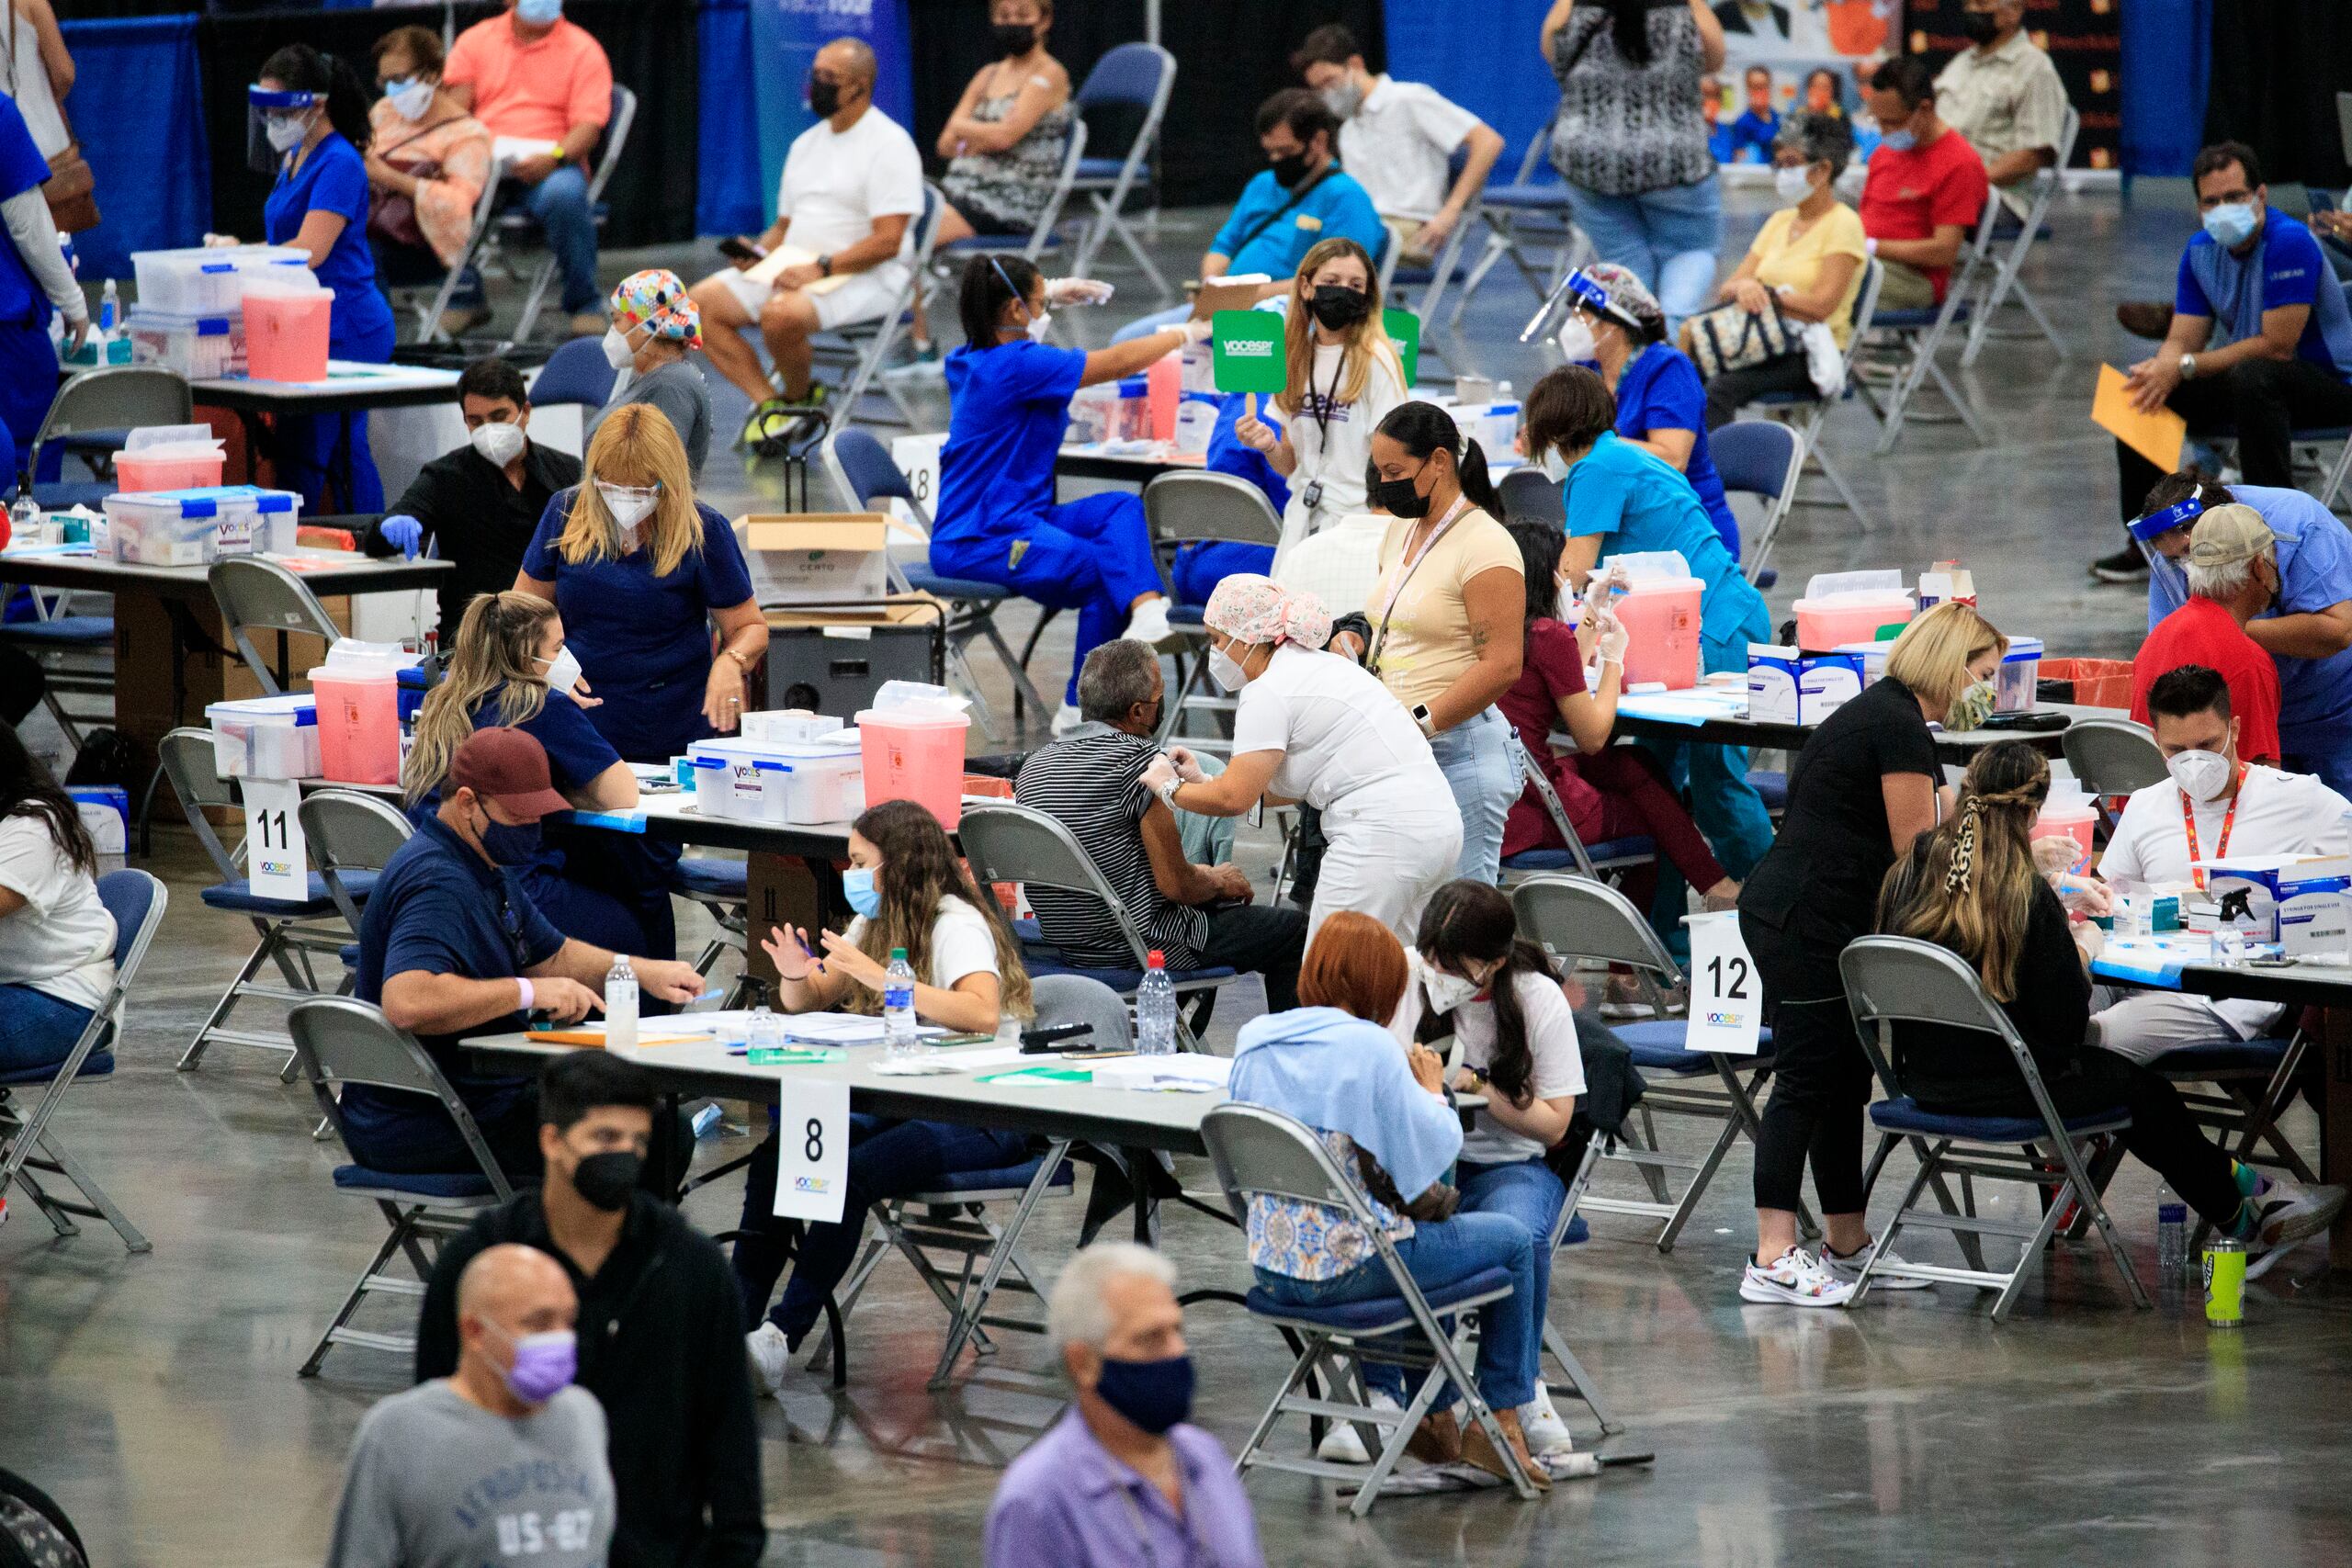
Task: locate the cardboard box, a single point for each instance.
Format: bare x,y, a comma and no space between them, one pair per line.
2249,892
1785,686
829,558
2316,921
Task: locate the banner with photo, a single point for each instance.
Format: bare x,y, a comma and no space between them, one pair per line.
786,36
1780,55
2083,37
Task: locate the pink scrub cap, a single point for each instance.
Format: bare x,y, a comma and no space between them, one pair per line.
1253,609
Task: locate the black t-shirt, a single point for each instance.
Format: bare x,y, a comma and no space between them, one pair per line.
481,523
1965,1070
1833,849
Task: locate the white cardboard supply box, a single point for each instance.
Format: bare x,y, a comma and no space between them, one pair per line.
822,558
1785,686
2267,896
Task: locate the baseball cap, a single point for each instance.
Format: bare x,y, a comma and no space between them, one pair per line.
509,767
2228,535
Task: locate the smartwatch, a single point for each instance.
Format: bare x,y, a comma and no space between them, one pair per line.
2189,367
825,265
1421,717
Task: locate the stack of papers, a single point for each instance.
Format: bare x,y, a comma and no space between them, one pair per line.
1695,707
1185,1072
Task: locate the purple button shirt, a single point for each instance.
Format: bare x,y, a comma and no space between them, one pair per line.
1067,1503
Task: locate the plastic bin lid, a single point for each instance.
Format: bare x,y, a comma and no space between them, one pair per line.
147,436
212,497
2022,647
769,750
1830,585
301,705
176,322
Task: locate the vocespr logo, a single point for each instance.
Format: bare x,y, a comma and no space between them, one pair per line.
816,1184
1250,348
1723,1019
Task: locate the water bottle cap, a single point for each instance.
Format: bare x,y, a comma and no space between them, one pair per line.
1157,959
898,955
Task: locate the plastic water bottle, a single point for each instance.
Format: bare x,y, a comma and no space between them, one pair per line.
109,309
2172,1236
24,517
620,1006
1156,1009
765,1032
899,1006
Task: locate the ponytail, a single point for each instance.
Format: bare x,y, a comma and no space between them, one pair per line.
1422,428
307,70
1474,482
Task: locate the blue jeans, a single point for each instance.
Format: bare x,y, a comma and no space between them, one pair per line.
1438,1255
561,204
1669,238
1483,771
37,1029
887,1160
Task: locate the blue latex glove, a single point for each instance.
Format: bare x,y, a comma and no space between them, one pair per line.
404,531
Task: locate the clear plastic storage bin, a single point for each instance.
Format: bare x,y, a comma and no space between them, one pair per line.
2015,687
796,783
265,738
196,528
202,348
206,281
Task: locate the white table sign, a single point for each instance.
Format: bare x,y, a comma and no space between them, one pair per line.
1726,998
916,456
277,859
812,1153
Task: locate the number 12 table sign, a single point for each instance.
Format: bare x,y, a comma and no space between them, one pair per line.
1726,998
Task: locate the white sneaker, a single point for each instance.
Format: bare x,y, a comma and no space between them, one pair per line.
1066,719
2287,1215
1343,1444
771,1357
1150,622
1795,1279
1547,1436
1849,1270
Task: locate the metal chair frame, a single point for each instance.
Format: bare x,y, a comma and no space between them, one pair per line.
261,594
1042,237
1109,222
840,347
1511,225
1777,502
1202,509
1553,807
1816,409
1921,345
430,307
156,396
1438,340
2112,757
348,831
490,248
2006,283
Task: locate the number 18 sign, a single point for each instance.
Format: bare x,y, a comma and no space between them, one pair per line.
1726,998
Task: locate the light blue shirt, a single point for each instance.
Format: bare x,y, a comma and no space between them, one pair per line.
2315,554
1338,207
1637,501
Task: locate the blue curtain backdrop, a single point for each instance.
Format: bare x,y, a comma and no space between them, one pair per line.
730,196
2165,71
784,38
137,108
1489,67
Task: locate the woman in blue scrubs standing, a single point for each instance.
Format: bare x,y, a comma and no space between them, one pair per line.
314,113
34,279
1009,395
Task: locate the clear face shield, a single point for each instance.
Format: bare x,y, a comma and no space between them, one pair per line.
1578,293
276,118
2167,577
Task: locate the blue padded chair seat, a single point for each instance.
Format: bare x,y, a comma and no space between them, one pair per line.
66,494
1603,853
1916,319
1773,787
1039,959
2221,1057
239,897
1547,198
1657,1043
983,243
66,629
714,877
923,580
456,1184
96,1064
1009,1179
1903,1115
1106,169
1379,1314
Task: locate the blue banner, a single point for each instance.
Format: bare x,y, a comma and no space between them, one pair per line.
786,36
137,108
729,195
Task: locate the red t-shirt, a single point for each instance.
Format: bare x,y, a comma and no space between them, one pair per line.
1909,194
2201,632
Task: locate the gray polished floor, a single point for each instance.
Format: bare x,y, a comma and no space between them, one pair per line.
156,1396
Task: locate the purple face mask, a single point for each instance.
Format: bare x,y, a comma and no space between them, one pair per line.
544,1364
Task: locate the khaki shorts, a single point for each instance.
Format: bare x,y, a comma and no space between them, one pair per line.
860,296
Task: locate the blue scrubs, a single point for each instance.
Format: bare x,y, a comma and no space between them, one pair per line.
332,178
1659,389
27,360
2315,554
1198,568
997,520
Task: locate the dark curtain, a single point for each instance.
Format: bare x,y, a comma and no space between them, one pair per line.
1230,54
2278,65
2085,41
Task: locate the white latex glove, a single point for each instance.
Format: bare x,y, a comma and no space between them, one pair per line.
1610,632
1198,328
218,242
1155,776
1188,767
1077,291
2090,941
2056,852
2083,895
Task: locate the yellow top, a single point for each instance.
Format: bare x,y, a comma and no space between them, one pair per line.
1428,643
1797,263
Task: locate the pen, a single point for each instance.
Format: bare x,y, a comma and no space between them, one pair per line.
802,942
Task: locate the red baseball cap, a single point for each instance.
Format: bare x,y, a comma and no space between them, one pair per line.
509,767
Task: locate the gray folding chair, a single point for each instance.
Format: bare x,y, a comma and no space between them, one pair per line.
1896,979
1201,509
94,411
2006,285
1138,76
517,222
430,305
1763,458
1005,842
1530,496
842,346
1920,334
2112,757
1260,1153
1577,919
260,595
1434,276
29,1147
340,1042
350,832
1808,410
291,931
1592,860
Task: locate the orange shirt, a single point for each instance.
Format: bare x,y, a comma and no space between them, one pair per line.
537,90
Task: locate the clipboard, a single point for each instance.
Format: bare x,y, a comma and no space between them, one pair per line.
2156,436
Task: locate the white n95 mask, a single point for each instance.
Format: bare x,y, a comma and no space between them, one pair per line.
1228,674
628,505
1446,992
617,353
1576,339
498,442
2203,774
563,670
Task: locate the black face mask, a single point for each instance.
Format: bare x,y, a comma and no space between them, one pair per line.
1159,713
824,97
1978,27
1398,497
1290,170
1337,307
1014,38
605,1181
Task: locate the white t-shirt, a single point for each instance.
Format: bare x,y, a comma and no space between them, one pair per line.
836,183
1335,457
1397,144
1551,1041
1339,729
61,942
1339,564
2278,814
961,943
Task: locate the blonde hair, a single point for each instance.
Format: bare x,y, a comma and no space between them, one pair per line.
1968,884
1932,655
1364,341
635,444
497,650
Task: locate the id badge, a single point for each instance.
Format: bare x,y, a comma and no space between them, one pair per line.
1313,495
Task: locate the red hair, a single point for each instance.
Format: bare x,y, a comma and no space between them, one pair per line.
1356,964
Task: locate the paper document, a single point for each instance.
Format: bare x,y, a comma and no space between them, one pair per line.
2156,436
843,1029
514,149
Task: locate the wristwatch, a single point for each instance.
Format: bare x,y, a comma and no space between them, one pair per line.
1421,717
2189,367
1168,793
825,265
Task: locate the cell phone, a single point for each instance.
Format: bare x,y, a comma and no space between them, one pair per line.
736,249
2035,721
1037,1041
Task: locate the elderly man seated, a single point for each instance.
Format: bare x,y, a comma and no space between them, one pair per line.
2004,95
2232,565
1091,780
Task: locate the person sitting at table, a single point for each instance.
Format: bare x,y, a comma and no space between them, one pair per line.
427,162
450,945
1970,885
1382,1115
1091,780
477,506
1009,394
655,368
2233,577
56,938
912,894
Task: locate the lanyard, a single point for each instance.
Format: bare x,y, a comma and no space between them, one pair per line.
1143,1531
1405,575
2188,826
1331,400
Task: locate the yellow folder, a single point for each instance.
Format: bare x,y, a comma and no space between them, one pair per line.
2156,436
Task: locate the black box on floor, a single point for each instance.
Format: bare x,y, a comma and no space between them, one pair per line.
833,659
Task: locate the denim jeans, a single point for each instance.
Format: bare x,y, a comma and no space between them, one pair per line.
1482,768
1440,1254
561,204
1669,238
37,1029
887,1160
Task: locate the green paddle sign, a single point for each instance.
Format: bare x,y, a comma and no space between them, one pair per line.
1248,354
1404,330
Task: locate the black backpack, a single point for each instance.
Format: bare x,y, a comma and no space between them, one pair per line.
106,756
34,1531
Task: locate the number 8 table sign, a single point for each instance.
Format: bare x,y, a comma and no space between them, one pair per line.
812,1158
1726,998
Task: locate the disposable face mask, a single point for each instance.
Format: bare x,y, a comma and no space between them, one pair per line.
285,133
1445,991
498,442
617,353
1576,340
544,1364
2231,224
857,886
1554,466
1399,498
628,506
1014,38
1970,708
2203,774
1228,674
1978,27
410,97
1793,184
606,1180
1343,98
824,97
539,13
1039,325
1290,170
1901,140
1337,307
563,670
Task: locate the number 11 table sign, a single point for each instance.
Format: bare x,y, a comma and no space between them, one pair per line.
277,859
1726,998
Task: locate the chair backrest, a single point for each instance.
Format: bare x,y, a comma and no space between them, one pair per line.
862,471
1185,508
190,763
1260,1152
137,902
1759,457
115,397
576,373
347,831
1005,842
1900,979
341,1040
1137,75
1578,917
2113,756
261,594
1079,999
1050,215
1529,497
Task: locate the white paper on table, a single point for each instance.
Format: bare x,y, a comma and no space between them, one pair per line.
1726,996
1183,1070
812,1153
277,858
843,1029
993,1056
